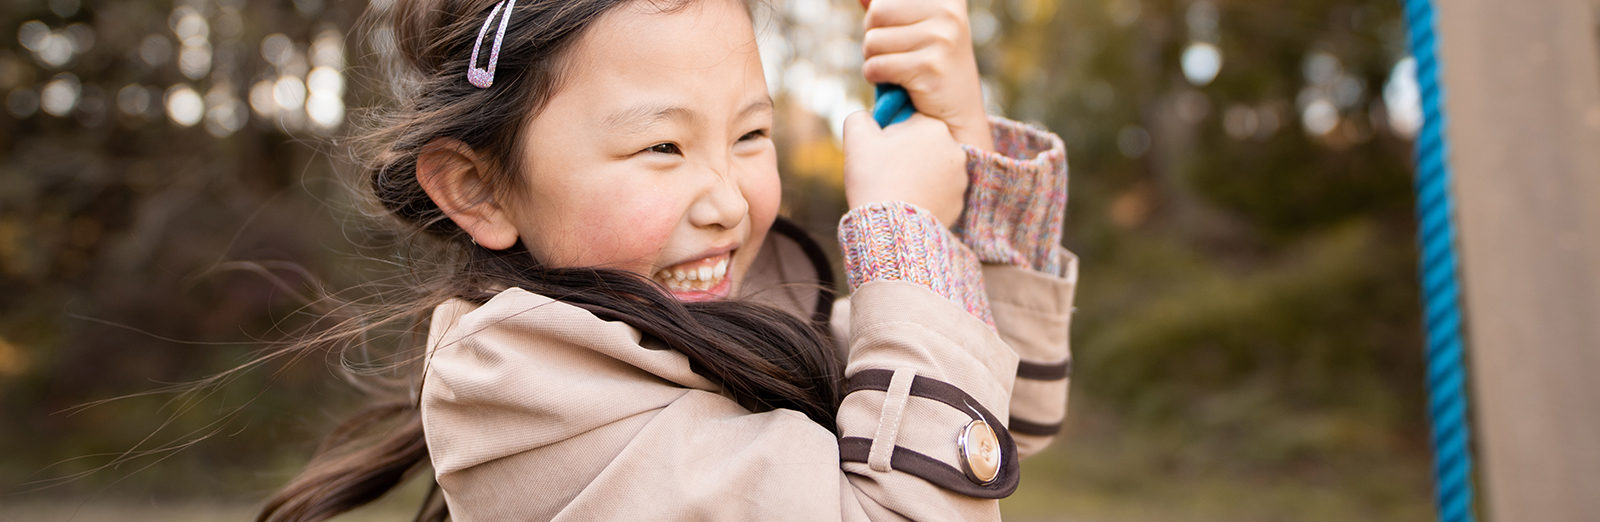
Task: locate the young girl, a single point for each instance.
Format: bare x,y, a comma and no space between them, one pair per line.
629,331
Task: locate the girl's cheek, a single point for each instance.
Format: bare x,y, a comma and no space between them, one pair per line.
619,230
647,224
764,193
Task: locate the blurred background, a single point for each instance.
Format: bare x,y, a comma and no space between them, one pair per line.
1247,341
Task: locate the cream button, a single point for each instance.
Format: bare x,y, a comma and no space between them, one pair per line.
980,452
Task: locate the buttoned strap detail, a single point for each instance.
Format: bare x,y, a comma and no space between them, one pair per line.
858,449
894,406
1044,371
854,449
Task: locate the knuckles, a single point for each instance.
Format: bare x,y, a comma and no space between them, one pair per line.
870,43
955,11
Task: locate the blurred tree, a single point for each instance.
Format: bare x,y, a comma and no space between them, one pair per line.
137,160
1248,326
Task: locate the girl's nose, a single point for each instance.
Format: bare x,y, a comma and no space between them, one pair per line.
722,204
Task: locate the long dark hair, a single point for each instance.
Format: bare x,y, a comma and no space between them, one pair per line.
765,357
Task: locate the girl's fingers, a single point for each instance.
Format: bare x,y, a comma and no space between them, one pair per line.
889,13
922,123
903,38
918,71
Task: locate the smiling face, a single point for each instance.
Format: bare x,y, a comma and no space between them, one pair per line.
654,156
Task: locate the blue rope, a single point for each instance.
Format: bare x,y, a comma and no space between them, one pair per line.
1447,374
893,105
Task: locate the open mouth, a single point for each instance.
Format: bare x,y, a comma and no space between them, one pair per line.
699,280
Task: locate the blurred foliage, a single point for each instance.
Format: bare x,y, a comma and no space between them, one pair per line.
1247,340
1248,314
114,223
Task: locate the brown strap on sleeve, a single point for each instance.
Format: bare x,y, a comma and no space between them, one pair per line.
856,449
1033,428
1044,372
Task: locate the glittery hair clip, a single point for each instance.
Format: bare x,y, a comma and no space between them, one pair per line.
483,78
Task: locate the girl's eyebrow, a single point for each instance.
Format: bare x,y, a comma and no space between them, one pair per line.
763,104
639,117
643,116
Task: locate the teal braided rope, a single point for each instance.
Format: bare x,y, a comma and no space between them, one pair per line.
1447,374
893,105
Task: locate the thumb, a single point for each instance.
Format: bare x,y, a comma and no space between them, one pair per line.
860,124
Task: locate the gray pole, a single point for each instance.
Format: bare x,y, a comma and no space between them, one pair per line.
1522,82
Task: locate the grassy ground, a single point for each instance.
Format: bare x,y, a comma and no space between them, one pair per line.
398,506
1102,471
187,511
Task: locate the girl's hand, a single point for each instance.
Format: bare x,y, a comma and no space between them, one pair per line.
926,47
915,161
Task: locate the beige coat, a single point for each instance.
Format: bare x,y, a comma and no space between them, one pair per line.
538,410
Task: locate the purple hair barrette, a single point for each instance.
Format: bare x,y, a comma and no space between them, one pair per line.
483,78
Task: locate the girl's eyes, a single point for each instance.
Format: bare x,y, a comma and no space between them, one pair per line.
673,149
665,148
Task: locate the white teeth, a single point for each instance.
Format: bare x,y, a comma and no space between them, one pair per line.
700,279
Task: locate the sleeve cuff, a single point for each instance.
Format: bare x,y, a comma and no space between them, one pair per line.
1017,197
897,241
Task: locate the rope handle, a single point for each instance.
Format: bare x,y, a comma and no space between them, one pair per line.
893,105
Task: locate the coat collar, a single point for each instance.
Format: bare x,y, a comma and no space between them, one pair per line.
791,272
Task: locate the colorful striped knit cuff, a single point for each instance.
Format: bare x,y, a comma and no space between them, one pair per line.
1017,197
898,241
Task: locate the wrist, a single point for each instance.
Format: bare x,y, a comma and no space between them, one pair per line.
974,132
946,215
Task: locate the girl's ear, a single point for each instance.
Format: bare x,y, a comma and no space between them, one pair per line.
457,181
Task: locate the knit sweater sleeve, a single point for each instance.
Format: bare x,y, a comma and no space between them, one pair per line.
1017,197
897,241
